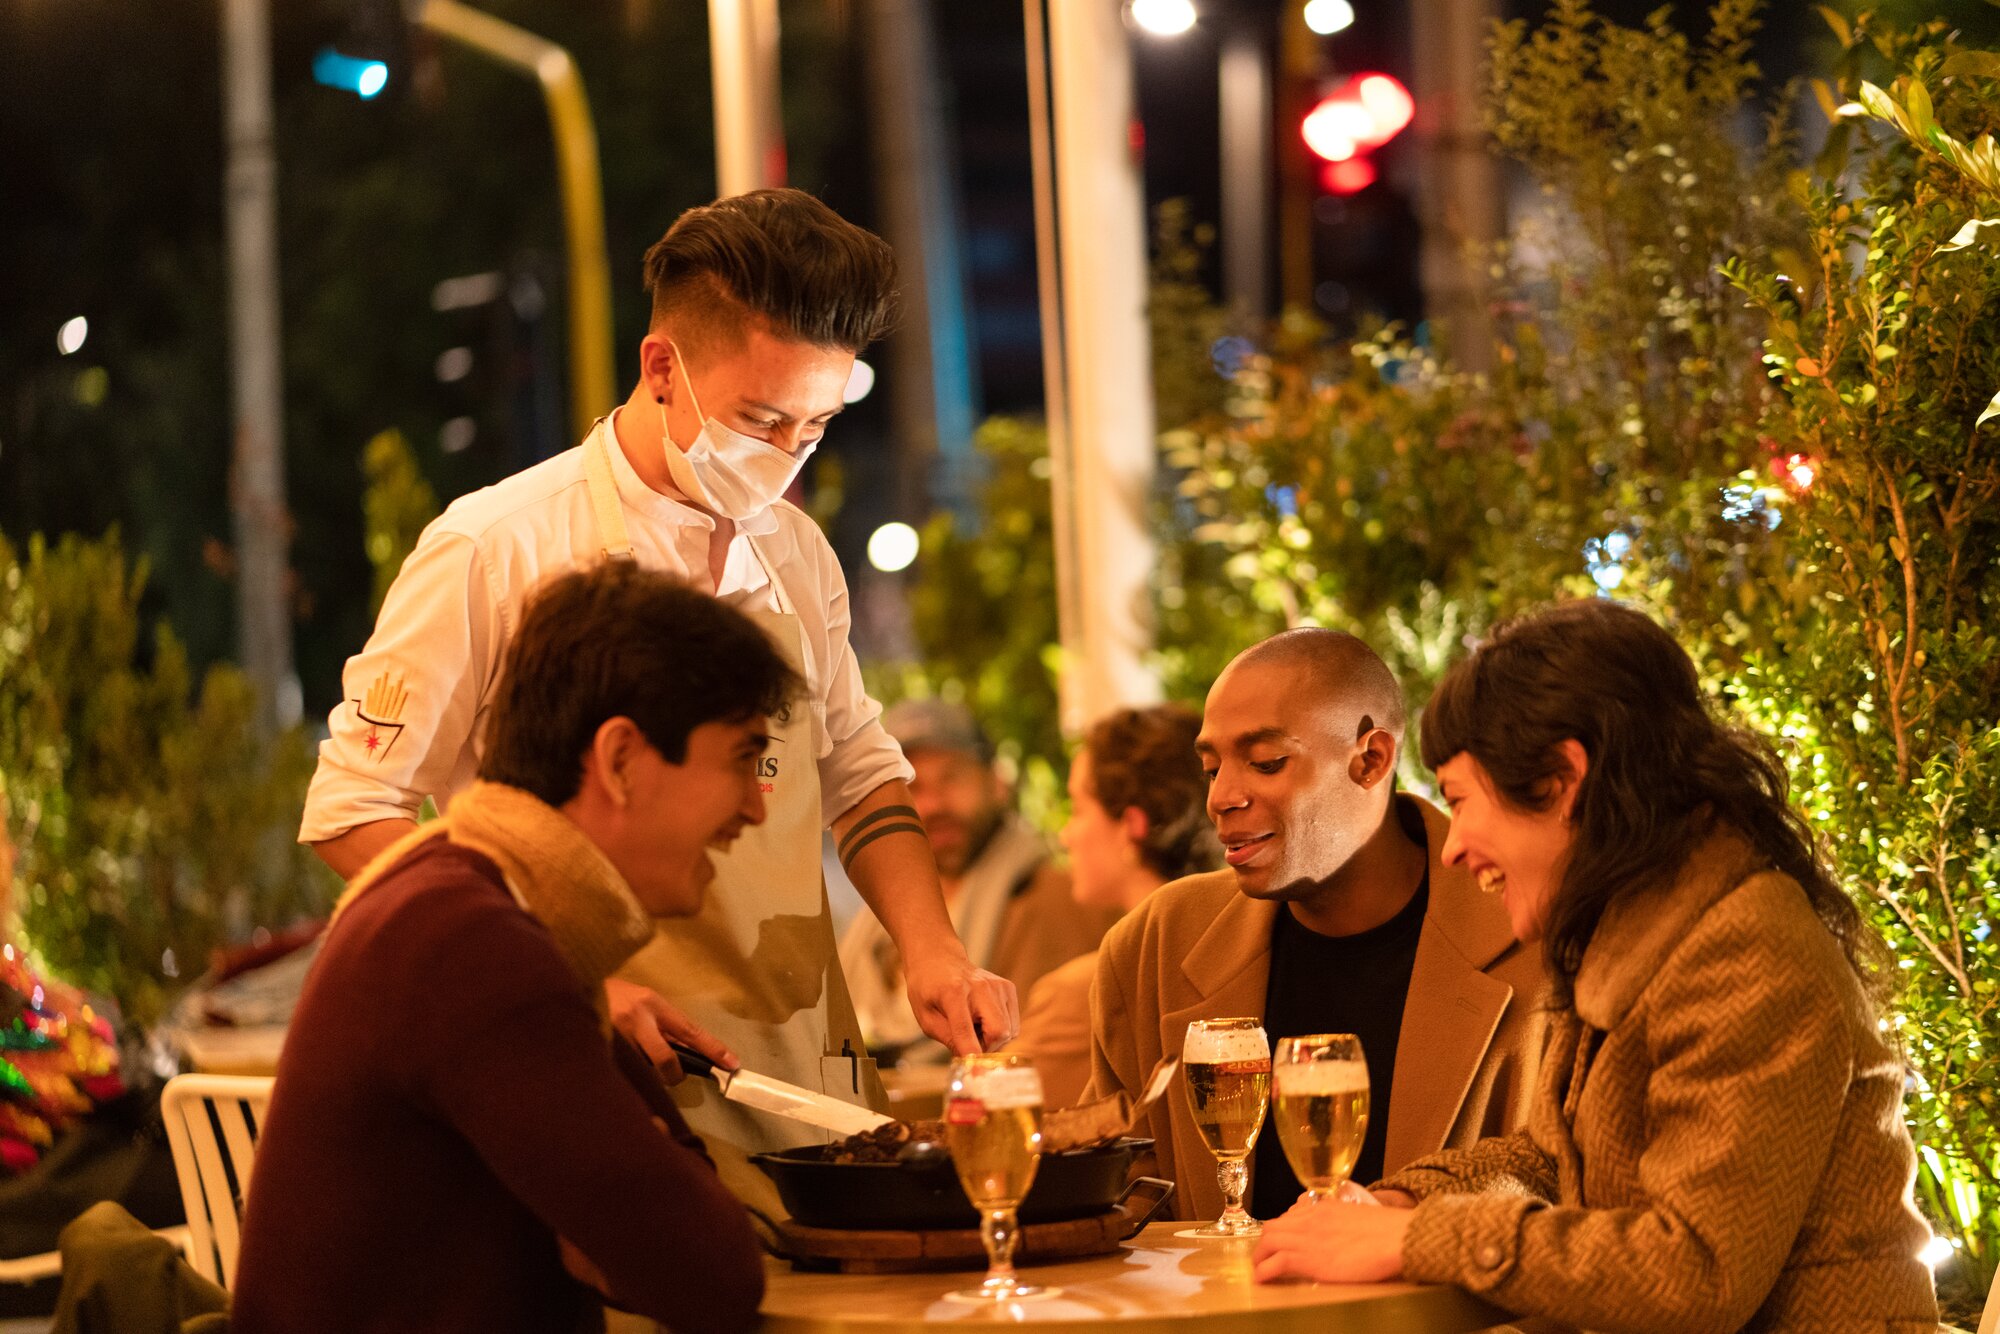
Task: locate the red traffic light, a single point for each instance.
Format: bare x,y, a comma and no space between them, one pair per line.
1349,177
1365,112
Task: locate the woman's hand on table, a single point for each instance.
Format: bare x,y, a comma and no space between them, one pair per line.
1333,1241
649,1021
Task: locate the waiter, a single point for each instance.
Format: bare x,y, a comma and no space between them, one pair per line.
760,304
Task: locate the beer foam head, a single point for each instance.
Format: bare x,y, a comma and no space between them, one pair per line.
1322,1078
1214,1046
1002,1087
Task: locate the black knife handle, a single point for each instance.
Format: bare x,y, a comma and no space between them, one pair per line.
693,1062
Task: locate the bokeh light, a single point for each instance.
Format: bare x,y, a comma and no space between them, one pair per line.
1164,18
893,547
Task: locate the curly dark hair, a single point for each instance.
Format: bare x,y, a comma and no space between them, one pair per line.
1145,758
618,641
1664,768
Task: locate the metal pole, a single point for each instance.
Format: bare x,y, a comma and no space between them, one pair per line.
1245,76
593,374
1062,467
749,130
930,357
257,481
1298,58
1459,194
1101,232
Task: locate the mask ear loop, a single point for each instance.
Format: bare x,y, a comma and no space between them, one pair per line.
687,379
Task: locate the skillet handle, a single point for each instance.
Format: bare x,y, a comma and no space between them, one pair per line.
1153,1192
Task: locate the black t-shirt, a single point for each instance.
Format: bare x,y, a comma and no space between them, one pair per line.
1339,984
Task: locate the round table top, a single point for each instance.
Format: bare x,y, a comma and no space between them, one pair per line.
1158,1282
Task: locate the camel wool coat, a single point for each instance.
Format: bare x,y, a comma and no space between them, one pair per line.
1198,948
1717,1141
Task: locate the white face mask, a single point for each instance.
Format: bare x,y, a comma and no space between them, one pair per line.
725,471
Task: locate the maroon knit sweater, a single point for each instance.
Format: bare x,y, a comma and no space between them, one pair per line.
446,1108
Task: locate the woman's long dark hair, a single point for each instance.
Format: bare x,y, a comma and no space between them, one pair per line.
1663,767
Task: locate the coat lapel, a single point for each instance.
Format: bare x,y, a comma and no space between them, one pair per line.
1226,975
1453,1009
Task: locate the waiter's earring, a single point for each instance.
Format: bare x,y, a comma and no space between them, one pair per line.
661,399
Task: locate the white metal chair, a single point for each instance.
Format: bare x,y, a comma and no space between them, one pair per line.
212,1126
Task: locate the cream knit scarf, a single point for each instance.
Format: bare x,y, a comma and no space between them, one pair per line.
554,872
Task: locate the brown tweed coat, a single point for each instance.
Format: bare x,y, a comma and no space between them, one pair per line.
1717,1141
1200,949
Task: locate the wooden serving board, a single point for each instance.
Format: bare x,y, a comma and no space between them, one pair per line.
858,1252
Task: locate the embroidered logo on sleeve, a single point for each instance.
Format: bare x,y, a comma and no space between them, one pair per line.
382,710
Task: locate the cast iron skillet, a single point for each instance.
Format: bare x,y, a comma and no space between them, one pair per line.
924,1194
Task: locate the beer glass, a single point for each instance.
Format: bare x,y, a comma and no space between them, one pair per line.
1228,1067
993,1127
1319,1107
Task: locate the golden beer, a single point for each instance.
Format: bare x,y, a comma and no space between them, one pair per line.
993,1127
996,1154
1228,1099
1319,1106
1228,1067
1320,1112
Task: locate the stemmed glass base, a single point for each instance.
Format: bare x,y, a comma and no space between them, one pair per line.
1000,1231
1234,1176
1222,1227
993,1292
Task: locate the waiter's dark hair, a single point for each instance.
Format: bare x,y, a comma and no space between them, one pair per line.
1664,768
781,256
616,641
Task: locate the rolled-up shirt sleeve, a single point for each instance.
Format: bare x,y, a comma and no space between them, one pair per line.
410,699
856,755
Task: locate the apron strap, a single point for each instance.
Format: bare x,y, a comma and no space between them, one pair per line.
604,501
781,599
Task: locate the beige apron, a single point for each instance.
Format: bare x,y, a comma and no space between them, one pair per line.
757,966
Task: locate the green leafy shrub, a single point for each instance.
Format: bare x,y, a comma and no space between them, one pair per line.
396,505
983,614
154,823
1886,677
1799,484
1803,483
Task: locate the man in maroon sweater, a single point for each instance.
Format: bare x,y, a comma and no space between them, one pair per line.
456,1141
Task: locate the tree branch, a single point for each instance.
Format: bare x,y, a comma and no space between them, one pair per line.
1923,938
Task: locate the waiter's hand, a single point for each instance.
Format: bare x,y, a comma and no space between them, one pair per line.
641,1015
960,1005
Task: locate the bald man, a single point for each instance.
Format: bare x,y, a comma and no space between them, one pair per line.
1335,915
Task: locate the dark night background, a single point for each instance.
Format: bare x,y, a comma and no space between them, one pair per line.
111,207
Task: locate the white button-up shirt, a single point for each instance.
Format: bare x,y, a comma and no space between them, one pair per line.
415,698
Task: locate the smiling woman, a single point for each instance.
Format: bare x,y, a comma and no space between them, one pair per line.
1603,771
1716,1141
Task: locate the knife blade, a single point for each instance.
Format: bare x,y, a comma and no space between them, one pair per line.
779,1098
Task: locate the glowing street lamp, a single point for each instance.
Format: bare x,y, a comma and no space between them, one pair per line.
1163,18
1327,17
